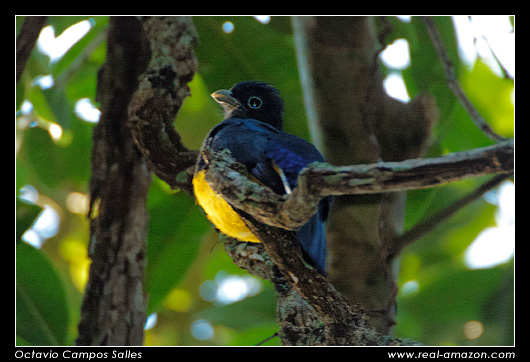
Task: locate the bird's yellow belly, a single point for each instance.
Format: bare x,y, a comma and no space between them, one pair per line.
219,212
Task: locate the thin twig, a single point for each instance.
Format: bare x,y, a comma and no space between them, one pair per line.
505,73
453,84
424,227
268,339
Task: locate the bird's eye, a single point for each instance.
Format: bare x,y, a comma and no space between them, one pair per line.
255,102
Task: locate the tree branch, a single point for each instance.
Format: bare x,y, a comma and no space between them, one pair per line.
410,174
320,179
162,89
25,42
340,323
143,108
310,310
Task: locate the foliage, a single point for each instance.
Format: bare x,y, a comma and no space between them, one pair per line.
185,259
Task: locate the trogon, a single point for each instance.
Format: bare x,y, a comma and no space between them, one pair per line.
252,131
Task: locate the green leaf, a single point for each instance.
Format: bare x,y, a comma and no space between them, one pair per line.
45,158
41,106
491,96
25,216
42,315
74,72
76,162
177,227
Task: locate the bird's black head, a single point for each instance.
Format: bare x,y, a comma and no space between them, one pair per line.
254,100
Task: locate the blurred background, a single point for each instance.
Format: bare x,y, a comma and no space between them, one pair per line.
456,284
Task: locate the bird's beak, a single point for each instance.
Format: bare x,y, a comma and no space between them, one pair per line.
224,96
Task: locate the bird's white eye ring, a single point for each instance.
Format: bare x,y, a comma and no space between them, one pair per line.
254,102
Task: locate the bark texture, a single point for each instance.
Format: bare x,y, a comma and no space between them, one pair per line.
113,310
161,91
141,88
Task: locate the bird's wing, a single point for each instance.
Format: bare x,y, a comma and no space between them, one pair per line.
248,140
291,154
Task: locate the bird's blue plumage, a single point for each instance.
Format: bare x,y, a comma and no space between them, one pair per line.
265,149
292,154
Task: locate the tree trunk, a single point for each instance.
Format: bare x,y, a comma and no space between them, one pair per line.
140,88
353,121
113,310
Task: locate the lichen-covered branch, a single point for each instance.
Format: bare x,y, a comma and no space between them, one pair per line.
161,91
137,115
321,179
410,174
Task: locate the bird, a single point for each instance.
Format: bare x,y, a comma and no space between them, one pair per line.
252,129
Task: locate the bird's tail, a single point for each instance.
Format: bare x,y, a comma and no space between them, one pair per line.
312,237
